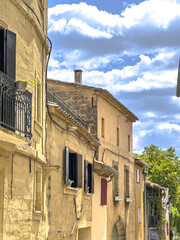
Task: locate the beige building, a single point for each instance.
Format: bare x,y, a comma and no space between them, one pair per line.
23,171
110,122
70,146
140,179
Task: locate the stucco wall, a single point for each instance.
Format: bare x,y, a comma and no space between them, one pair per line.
61,198
139,203
19,220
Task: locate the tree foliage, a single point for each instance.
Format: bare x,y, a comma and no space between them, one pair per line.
164,169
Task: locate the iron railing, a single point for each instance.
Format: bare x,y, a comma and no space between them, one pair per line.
15,107
152,221
52,96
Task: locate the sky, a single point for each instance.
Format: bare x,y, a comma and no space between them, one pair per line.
132,49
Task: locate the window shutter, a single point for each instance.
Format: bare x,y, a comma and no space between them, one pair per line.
11,54
126,181
66,164
79,171
103,191
85,175
92,179
138,175
2,50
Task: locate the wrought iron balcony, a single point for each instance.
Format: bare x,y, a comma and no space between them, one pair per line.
152,221
15,107
54,97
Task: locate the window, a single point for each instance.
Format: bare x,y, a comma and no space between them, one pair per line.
116,180
8,53
92,102
102,127
138,175
103,191
38,189
129,143
117,136
88,177
126,181
73,169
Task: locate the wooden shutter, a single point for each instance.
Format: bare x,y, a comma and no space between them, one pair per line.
126,181
79,171
85,175
92,179
103,191
8,53
66,165
11,54
2,50
138,175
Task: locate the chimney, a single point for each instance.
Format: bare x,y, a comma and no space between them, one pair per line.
78,76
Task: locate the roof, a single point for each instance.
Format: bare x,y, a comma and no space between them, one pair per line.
56,110
104,170
154,185
178,82
140,162
104,93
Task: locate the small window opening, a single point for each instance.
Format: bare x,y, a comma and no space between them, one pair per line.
92,102
129,143
117,136
102,127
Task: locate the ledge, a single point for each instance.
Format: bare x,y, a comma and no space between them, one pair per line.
104,170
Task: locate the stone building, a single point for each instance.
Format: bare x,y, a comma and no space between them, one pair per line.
73,190
23,170
110,122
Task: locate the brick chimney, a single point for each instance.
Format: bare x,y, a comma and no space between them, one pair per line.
78,76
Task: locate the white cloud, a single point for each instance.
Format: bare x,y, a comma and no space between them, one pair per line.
143,77
90,21
168,127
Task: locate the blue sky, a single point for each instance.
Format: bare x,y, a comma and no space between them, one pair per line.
132,49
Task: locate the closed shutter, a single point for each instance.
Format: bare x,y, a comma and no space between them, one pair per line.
11,54
2,50
66,165
103,191
8,53
85,175
126,181
92,179
79,171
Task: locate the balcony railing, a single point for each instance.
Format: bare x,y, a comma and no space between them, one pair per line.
152,221
15,107
54,97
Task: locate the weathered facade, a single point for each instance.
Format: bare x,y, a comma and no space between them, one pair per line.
70,146
111,123
140,179
23,51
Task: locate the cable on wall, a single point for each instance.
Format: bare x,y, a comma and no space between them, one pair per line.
107,149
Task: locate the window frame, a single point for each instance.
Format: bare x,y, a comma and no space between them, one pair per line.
73,169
